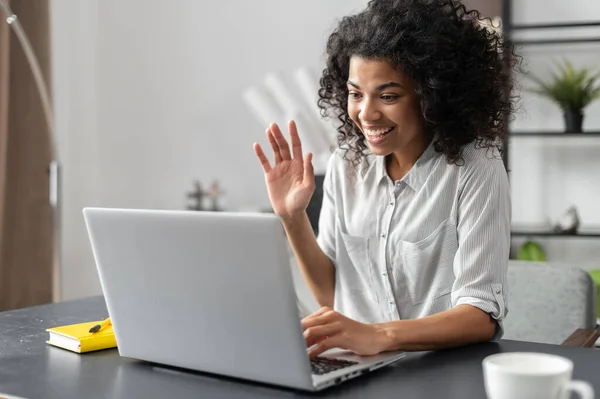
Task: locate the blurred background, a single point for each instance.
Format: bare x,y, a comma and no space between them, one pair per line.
148,102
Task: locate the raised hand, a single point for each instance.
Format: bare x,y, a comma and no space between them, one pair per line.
291,181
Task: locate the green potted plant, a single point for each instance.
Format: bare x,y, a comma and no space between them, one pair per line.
571,89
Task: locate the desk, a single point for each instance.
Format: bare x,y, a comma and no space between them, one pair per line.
32,369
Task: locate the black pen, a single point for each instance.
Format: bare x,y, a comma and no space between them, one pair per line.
100,326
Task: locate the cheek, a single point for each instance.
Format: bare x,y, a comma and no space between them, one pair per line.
406,113
413,109
353,111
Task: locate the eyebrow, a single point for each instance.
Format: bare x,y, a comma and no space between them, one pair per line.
378,88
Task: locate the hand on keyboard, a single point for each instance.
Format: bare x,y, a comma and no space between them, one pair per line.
326,329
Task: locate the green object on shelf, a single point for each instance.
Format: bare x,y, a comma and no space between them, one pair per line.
532,251
572,89
596,277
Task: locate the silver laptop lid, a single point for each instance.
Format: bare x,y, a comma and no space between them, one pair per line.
209,291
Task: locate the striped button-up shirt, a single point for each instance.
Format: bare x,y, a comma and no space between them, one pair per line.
435,239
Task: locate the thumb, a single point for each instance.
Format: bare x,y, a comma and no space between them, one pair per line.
309,171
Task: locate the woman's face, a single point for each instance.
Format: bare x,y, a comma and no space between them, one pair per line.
383,104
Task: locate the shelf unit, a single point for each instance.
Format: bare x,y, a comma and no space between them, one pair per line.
542,233
572,40
508,29
555,134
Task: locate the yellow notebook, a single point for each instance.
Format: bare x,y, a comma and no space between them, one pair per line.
77,338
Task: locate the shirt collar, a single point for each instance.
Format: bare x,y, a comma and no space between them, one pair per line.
417,175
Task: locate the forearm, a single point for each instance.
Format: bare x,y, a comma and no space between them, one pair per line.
462,325
316,267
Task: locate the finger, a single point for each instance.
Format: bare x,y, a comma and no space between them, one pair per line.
284,147
262,158
319,312
309,171
274,146
324,318
316,341
329,343
296,143
314,335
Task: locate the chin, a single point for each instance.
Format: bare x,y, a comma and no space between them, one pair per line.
380,151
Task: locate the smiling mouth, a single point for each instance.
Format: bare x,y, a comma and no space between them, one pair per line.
377,133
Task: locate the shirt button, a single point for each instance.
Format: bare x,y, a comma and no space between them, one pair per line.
391,202
383,235
384,274
391,302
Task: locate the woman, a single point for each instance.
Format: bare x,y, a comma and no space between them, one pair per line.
414,229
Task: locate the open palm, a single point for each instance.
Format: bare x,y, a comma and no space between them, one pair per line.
291,181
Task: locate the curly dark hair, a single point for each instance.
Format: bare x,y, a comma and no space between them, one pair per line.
460,68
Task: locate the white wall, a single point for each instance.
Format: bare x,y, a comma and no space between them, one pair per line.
549,175
147,98
74,67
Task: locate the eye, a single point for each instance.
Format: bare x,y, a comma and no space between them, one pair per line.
354,96
389,97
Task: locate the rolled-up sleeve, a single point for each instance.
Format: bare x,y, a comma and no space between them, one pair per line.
483,228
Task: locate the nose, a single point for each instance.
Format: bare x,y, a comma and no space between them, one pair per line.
369,111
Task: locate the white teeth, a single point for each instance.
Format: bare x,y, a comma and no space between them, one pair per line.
378,132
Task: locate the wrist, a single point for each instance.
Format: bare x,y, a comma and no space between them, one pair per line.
293,219
386,336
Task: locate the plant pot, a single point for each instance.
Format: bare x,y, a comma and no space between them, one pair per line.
573,121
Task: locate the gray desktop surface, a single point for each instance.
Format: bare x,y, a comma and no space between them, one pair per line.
32,369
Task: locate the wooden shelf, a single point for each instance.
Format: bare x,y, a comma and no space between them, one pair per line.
574,40
556,25
555,134
549,233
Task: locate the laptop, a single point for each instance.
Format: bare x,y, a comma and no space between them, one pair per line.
210,292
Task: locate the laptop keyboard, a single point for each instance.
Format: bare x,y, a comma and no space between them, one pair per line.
324,365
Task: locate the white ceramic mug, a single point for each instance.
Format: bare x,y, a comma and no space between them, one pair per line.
523,375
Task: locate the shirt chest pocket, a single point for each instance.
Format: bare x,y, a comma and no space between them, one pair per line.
428,264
